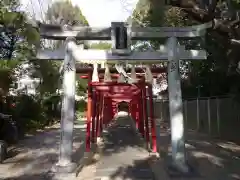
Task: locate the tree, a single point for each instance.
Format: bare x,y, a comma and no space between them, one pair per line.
224,16
148,15
60,12
101,45
223,54
222,39
17,38
63,12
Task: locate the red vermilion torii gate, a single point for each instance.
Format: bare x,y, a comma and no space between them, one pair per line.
103,98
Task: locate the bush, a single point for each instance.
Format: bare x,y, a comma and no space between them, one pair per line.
51,106
27,107
31,113
28,113
81,106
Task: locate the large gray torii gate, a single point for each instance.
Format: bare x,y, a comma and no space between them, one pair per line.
121,37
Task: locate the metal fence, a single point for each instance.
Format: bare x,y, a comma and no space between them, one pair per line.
219,117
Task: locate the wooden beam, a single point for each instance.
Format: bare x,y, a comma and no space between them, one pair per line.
58,32
114,76
103,56
159,70
59,53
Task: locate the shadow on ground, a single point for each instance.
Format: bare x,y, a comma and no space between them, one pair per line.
34,156
214,159
120,136
123,154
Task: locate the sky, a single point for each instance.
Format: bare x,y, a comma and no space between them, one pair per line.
99,13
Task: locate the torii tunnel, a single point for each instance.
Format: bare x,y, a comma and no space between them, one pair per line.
104,97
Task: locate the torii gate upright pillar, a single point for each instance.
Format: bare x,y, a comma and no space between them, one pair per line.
175,107
65,164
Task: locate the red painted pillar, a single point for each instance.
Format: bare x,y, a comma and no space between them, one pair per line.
97,113
89,113
114,107
101,112
105,110
140,115
110,110
145,112
134,114
94,97
152,120
131,107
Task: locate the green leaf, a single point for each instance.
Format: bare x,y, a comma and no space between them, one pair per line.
10,17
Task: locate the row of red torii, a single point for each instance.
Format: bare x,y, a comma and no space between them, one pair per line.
104,93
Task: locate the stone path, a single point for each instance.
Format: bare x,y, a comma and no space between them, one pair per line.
34,156
123,155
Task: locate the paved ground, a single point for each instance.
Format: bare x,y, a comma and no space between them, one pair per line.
123,155
213,159
35,155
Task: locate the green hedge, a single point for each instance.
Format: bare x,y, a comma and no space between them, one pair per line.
81,106
31,113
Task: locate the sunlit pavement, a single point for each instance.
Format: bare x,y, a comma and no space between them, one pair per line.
33,157
213,159
123,155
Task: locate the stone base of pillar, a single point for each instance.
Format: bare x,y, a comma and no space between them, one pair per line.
180,169
68,168
61,176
